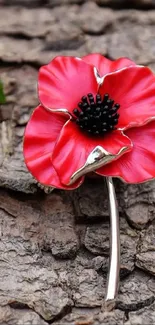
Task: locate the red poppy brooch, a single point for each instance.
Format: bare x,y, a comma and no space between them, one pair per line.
95,115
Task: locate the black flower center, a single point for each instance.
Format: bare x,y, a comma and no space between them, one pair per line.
96,116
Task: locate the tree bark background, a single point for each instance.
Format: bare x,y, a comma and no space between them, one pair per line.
54,247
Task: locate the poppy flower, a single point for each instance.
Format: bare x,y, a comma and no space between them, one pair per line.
94,115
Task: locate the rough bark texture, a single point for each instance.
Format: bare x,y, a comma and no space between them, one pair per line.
54,248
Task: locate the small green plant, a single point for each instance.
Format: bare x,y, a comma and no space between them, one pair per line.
2,96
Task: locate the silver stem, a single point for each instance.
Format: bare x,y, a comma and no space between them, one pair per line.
114,266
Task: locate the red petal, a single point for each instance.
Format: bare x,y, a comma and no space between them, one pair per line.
73,148
138,165
41,134
64,81
134,89
105,65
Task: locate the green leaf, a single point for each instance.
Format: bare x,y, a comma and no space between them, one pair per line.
2,96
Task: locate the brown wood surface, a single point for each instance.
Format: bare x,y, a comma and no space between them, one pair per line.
54,248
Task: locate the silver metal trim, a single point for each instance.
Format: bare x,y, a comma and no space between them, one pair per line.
97,76
96,159
59,110
118,71
114,265
137,125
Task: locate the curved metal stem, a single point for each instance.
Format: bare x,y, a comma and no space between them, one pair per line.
114,266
